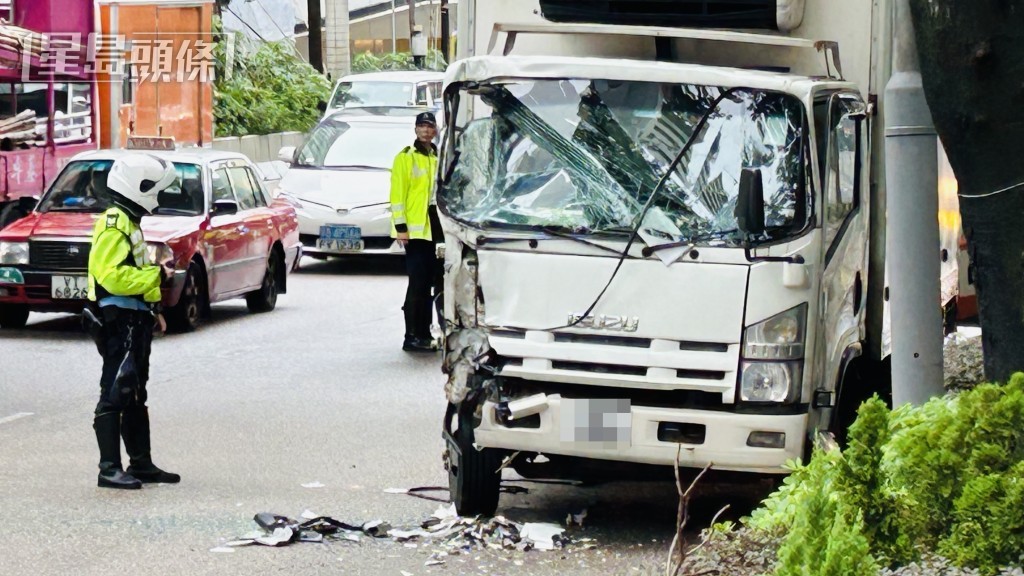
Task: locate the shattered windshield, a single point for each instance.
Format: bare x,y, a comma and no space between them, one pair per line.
82,187
585,156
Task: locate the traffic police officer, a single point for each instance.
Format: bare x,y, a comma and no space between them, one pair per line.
124,294
416,226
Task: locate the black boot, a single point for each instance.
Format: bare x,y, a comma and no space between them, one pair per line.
108,437
414,344
135,427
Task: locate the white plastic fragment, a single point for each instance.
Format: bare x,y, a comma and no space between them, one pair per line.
222,549
309,515
314,484
541,534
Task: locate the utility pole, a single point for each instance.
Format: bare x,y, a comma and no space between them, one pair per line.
445,31
316,56
338,60
394,35
417,41
911,174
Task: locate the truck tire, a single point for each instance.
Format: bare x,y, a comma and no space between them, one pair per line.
187,314
265,299
473,477
13,316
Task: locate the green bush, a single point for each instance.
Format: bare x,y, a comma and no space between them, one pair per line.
263,88
370,62
946,478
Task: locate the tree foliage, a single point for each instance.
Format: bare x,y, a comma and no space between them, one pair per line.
946,477
264,87
370,62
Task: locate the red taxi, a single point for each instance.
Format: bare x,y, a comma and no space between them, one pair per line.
228,238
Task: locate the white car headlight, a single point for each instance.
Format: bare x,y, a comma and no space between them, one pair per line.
14,253
158,252
773,352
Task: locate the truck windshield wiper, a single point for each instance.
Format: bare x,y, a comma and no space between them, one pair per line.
551,232
690,242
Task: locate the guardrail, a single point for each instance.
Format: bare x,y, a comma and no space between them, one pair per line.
261,148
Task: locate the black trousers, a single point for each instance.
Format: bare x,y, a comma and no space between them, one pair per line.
426,280
126,342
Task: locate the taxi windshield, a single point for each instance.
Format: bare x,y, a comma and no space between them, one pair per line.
82,187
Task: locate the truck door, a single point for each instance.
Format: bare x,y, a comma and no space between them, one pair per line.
842,136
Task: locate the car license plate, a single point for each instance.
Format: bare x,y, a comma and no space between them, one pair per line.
603,421
340,239
69,287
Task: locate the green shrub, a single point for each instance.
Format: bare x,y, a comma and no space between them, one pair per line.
946,477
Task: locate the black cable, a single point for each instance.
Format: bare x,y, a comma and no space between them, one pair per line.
650,202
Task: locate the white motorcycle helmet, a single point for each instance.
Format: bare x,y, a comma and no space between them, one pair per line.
139,178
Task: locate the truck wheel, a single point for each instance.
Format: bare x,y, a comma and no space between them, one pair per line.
186,315
473,477
13,316
265,299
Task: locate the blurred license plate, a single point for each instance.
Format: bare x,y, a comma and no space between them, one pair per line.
340,239
606,422
69,287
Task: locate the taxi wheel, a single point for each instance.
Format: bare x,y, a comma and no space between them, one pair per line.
265,299
186,315
13,316
473,477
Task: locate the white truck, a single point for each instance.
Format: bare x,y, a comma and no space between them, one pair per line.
664,240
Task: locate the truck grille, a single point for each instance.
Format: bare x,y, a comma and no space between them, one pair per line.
52,255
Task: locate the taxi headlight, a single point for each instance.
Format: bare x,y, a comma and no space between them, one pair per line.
14,253
158,252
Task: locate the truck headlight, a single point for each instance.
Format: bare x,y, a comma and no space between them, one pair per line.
780,337
158,252
769,381
773,352
14,253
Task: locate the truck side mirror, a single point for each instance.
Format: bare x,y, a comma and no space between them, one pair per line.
286,154
750,202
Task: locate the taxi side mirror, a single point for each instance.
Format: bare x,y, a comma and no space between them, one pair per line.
224,208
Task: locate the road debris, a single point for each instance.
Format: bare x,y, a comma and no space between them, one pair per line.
445,533
314,484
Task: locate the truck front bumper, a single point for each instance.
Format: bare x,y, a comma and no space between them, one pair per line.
725,443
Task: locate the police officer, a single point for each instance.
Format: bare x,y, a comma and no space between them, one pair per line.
124,292
416,226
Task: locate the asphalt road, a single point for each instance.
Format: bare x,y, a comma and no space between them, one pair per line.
247,410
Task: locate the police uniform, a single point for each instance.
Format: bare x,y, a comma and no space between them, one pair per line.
413,211
124,292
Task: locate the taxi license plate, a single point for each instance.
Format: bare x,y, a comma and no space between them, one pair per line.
69,287
340,239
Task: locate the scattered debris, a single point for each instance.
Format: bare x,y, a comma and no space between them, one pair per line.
418,492
963,362
576,519
222,549
448,533
314,484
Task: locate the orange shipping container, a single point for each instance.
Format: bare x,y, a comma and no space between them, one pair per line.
165,87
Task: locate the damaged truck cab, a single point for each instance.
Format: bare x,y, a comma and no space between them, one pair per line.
653,257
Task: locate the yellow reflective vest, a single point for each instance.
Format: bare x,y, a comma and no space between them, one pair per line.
412,182
117,259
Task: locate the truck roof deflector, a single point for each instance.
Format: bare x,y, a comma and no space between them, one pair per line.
512,30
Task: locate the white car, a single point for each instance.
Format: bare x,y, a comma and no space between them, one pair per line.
341,180
387,89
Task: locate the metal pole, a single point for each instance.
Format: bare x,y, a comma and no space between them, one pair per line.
394,37
316,50
445,31
911,172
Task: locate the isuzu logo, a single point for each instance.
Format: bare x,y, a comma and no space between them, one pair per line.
605,322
